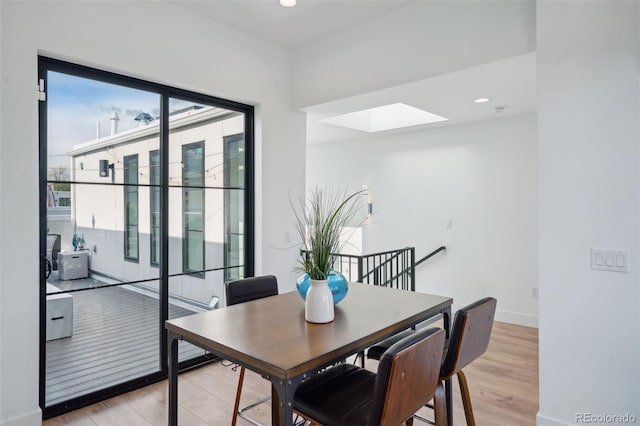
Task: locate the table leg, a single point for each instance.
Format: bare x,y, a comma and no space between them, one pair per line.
282,400
448,385
173,379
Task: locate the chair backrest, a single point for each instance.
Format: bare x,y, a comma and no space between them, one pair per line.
469,335
408,374
248,289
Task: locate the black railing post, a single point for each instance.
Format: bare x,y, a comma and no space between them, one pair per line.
360,273
412,269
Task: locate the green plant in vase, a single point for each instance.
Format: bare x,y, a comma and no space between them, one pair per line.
320,219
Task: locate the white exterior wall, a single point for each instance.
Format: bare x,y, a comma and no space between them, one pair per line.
481,175
186,51
98,211
2,329
588,162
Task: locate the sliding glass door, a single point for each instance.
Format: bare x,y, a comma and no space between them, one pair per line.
144,214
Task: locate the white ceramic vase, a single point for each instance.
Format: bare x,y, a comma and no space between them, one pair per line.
318,306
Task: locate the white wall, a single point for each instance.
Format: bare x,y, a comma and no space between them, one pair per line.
2,42
180,49
422,40
481,175
588,135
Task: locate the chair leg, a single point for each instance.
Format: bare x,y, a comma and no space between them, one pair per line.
440,406
308,421
466,398
236,406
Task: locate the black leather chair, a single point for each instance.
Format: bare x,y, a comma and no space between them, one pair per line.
407,378
241,291
470,335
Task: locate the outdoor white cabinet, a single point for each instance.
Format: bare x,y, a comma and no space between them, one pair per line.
59,313
73,265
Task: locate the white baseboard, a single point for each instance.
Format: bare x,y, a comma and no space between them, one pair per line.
31,419
517,318
542,420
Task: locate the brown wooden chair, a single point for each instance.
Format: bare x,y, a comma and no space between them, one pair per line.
240,291
407,378
469,339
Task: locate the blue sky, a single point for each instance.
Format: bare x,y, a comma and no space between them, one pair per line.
75,105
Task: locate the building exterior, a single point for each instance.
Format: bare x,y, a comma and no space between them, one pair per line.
116,208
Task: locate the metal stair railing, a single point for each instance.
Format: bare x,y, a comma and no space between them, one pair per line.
393,268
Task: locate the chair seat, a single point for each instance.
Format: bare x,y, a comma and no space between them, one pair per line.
339,396
376,351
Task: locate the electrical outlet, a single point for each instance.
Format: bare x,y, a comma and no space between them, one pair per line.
534,292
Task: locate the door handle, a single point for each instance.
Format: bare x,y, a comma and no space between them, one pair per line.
47,267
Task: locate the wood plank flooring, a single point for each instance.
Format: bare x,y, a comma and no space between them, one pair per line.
503,385
115,339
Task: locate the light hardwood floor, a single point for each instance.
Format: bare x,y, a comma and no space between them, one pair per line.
503,385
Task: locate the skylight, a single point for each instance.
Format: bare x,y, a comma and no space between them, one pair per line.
387,117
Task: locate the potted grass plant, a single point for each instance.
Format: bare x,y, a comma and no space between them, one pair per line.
320,219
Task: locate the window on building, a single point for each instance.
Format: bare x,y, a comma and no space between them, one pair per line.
233,205
154,201
193,207
131,207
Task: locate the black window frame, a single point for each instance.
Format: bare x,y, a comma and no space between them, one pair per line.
47,64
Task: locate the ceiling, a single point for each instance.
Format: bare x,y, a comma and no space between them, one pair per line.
292,27
509,83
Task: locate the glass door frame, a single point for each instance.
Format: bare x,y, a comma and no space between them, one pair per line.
46,64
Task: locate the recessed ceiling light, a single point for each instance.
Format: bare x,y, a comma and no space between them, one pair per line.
288,3
387,117
482,100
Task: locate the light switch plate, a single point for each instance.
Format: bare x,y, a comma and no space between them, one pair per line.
610,260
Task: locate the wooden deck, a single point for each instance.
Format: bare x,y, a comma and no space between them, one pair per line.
115,339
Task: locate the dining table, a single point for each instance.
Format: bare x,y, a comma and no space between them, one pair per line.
271,337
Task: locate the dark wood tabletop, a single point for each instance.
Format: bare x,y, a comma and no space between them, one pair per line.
270,335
